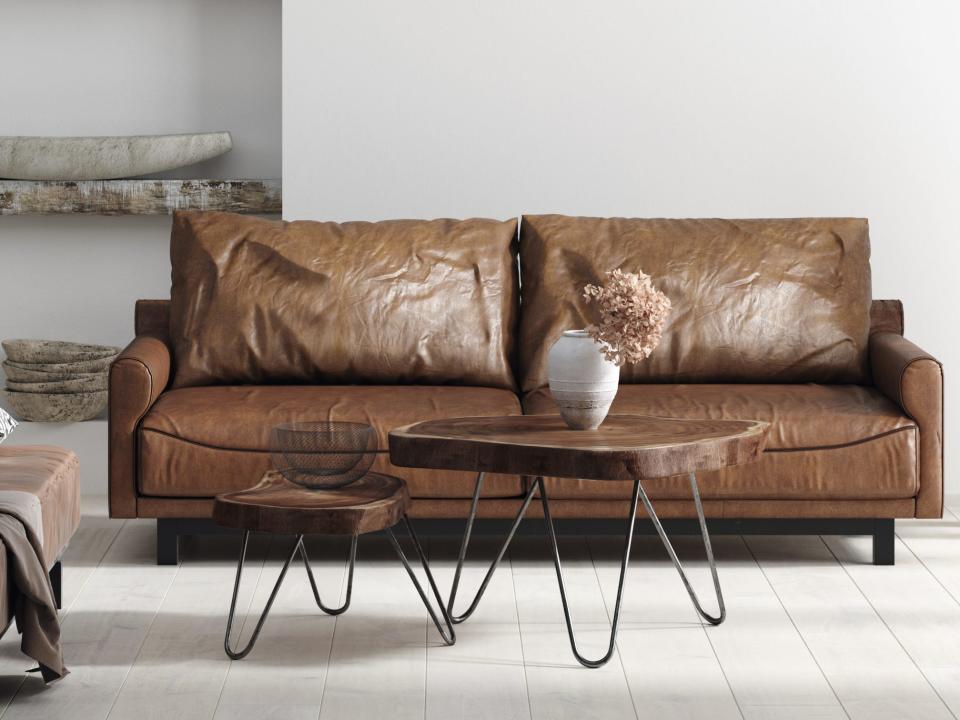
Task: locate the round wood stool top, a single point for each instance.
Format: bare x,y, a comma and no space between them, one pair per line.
624,447
372,503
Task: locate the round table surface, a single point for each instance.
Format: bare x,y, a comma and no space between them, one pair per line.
624,447
372,503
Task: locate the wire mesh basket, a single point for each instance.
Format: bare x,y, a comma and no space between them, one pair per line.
323,455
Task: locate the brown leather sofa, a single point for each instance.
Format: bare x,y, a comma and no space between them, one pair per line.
409,320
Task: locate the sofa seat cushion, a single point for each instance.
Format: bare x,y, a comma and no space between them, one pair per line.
52,475
198,442
825,441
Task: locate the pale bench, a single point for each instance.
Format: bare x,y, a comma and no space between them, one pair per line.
45,482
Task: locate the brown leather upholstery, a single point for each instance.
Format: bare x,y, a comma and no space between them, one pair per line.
152,317
52,475
886,316
913,379
209,440
825,441
753,300
771,301
137,377
399,302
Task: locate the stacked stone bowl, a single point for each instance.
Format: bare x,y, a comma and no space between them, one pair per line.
57,381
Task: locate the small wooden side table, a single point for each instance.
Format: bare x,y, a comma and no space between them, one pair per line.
624,447
371,504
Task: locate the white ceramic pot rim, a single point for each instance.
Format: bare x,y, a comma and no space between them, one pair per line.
589,386
584,333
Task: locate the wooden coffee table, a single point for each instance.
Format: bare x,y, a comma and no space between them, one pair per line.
371,504
625,447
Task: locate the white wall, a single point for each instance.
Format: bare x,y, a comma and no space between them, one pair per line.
126,67
744,108
122,67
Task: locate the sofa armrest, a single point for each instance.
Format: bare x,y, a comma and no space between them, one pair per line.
913,379
137,377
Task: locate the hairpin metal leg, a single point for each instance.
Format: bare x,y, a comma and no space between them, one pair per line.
712,619
239,654
623,572
313,583
448,634
466,541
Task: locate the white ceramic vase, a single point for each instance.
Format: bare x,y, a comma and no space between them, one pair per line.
582,381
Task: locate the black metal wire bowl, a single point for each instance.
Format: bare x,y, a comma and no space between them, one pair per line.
323,455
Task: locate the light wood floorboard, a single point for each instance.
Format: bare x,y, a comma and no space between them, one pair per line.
489,648
284,675
103,632
934,543
558,686
765,659
379,655
669,663
813,631
182,659
868,668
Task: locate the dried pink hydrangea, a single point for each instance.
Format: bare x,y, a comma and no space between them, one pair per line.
632,315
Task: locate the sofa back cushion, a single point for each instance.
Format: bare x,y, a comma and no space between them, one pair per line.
255,301
753,300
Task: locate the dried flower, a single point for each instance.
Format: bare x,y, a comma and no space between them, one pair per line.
632,315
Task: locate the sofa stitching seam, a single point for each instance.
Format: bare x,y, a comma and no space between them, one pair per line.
840,446
769,450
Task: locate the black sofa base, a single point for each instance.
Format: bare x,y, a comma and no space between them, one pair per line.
169,530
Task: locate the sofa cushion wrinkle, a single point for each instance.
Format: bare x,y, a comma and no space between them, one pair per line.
763,300
257,301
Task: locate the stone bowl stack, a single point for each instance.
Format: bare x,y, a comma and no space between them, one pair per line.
57,381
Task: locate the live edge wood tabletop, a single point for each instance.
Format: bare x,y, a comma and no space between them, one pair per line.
624,447
374,502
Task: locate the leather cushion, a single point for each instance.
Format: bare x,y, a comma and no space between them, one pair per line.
408,301
198,442
753,300
52,474
825,441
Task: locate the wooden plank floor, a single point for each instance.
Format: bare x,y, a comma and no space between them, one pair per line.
813,631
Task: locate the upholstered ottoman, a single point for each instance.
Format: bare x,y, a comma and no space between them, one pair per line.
41,483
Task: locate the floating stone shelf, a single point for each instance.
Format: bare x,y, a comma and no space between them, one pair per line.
138,197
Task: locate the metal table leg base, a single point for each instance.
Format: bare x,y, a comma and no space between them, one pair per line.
712,619
496,562
638,492
563,593
448,634
298,546
313,583
240,654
